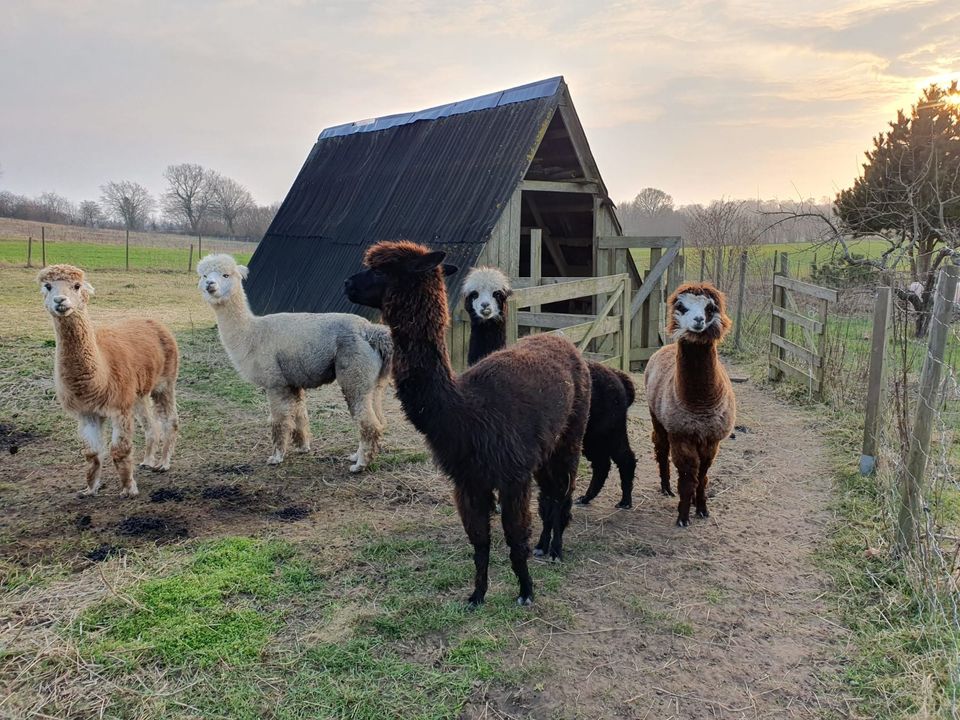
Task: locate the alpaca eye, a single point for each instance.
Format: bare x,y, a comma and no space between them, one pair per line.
711,308
226,275
499,297
47,286
77,286
681,308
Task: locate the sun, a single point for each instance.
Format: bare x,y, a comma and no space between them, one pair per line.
953,99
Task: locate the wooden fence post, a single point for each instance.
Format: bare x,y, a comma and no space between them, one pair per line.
911,475
703,264
199,247
29,251
43,245
512,321
536,264
743,285
127,244
877,385
190,261
778,326
625,325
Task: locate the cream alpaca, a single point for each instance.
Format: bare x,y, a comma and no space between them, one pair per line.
115,372
287,352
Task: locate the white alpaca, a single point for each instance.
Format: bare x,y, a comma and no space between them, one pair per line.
285,353
112,372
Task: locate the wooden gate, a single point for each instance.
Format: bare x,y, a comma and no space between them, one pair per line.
646,305
807,365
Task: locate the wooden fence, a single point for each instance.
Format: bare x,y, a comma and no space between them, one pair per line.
785,311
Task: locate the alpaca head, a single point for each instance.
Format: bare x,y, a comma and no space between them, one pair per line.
220,277
64,289
698,313
395,268
485,293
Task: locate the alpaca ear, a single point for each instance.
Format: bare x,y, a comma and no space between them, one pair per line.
449,269
424,263
243,271
89,288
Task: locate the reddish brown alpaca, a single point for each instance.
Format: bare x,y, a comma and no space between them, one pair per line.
689,394
112,372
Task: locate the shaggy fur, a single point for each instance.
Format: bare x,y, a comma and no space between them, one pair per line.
484,292
519,412
118,372
691,400
286,353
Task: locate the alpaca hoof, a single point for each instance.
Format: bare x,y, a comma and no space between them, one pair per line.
474,601
583,500
667,492
556,556
129,492
703,514
525,600
625,504
89,492
353,457
683,523
275,459
357,468
160,468
539,552
305,448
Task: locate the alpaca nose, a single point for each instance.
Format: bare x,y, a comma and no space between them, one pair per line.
484,305
59,299
698,321
211,285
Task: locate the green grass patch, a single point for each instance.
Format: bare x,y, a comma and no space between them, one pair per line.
214,609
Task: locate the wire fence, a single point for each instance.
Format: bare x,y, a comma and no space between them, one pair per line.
917,471
31,244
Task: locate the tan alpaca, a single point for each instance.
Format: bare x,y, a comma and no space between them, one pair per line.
113,372
689,394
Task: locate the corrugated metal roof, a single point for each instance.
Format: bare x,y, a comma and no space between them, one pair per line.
530,91
442,181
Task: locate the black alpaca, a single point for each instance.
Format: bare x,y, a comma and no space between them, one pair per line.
519,413
485,292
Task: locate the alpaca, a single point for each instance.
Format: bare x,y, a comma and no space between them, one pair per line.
689,394
286,353
485,292
523,410
118,372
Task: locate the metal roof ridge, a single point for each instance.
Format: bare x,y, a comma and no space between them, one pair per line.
521,93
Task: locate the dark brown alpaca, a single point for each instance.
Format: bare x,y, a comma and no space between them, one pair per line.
691,400
520,412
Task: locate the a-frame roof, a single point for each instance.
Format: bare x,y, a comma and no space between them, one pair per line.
440,176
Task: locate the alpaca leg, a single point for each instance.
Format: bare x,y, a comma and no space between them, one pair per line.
90,429
687,459
474,512
121,449
661,448
515,509
301,422
626,465
556,481
378,391
281,422
706,460
165,402
600,463
362,410
151,432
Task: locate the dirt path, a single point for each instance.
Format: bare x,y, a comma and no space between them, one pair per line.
731,621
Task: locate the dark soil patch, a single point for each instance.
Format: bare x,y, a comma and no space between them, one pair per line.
83,522
292,513
230,493
152,527
243,469
12,439
102,552
162,495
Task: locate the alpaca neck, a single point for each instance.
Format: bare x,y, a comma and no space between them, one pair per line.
78,356
485,338
234,321
698,374
425,382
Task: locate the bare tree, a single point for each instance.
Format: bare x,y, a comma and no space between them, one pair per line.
89,214
189,193
721,231
127,202
651,202
231,200
55,208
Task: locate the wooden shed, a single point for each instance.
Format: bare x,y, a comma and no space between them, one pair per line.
504,179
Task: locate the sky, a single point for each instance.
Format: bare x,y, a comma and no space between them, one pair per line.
703,99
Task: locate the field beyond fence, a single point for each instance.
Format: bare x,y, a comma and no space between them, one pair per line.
23,242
